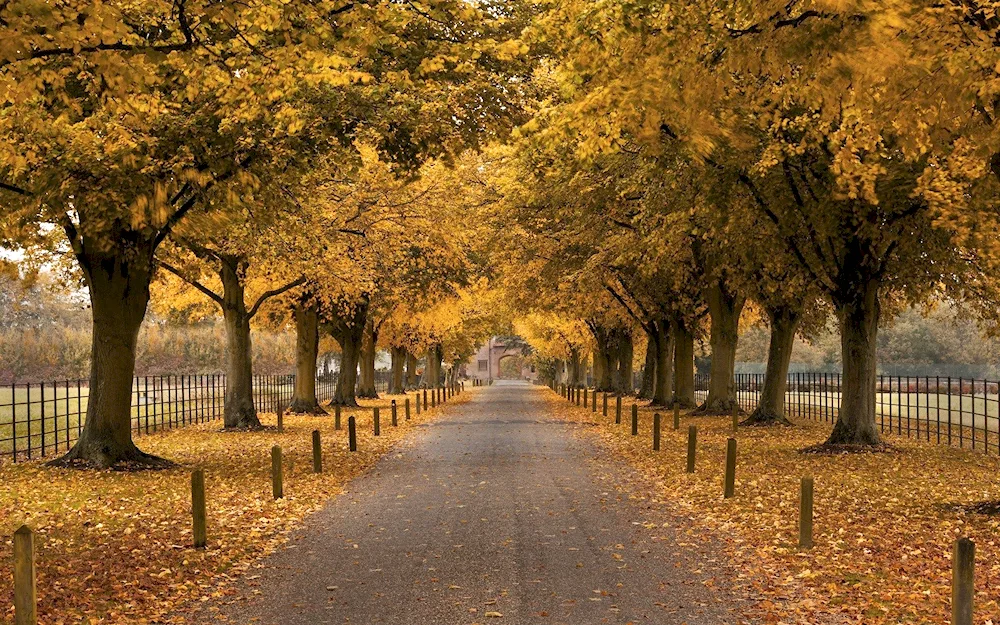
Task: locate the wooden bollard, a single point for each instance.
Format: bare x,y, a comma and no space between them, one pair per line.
730,482
394,421
635,420
605,403
656,431
336,417
375,421
434,402
406,408
585,397
277,485
579,394
281,420
199,527
618,409
593,402
806,513
352,434
677,416
963,563
418,404
317,453
692,444
25,590
425,398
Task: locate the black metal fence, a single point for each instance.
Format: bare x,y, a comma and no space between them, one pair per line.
40,419
961,412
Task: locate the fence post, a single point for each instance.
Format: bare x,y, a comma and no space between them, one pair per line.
618,409
730,485
375,420
635,419
425,398
25,592
336,417
281,420
317,453
434,398
806,513
277,487
352,434
199,529
605,403
593,402
394,421
585,397
418,403
406,408
578,394
692,444
677,416
963,563
656,431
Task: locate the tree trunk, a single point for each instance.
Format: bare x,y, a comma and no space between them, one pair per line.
771,407
397,378
411,371
858,314
574,367
623,362
304,399
432,372
663,355
119,293
369,342
646,389
724,308
239,411
348,332
683,365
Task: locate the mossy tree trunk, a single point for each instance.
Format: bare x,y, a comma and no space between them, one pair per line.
369,346
724,307
683,364
662,347
304,399
770,409
347,331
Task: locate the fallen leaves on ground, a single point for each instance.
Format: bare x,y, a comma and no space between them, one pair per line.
115,547
885,524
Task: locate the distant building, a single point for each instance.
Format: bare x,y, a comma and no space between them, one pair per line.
485,364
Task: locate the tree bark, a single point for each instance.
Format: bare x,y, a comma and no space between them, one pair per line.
304,399
348,331
683,365
663,357
369,343
771,407
647,388
118,285
397,378
239,411
574,367
858,314
621,362
724,307
411,371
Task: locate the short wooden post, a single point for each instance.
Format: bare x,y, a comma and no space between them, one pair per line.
394,421
281,420
317,453
730,484
677,416
375,420
199,528
593,402
635,419
584,397
656,431
605,403
736,417
406,408
618,409
434,402
579,393
336,417
425,398
806,513
25,590
963,563
277,487
692,444
352,434
418,404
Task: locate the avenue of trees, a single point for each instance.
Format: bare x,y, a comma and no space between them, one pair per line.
619,177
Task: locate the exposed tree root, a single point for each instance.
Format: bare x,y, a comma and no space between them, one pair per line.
832,449
96,456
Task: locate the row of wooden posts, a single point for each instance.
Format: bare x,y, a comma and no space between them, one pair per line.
963,557
25,591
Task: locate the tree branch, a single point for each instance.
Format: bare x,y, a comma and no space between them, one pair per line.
272,293
198,285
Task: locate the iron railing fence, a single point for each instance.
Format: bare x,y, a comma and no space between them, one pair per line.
45,418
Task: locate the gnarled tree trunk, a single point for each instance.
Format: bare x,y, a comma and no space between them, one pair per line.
369,343
663,357
683,365
348,331
770,409
304,399
118,286
858,312
724,307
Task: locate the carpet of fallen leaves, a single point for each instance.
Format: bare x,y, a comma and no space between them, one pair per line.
885,523
115,547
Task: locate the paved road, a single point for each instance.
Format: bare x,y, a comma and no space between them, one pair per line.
494,509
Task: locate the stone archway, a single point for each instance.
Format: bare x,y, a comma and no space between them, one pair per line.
486,363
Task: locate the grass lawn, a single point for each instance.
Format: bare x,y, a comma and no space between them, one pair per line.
885,524
115,547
